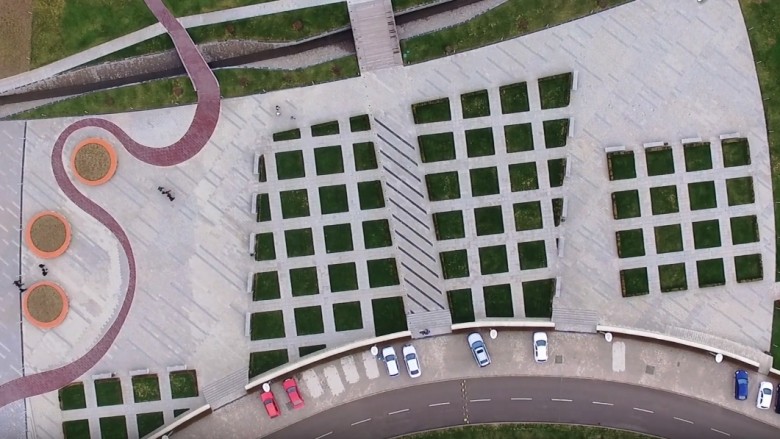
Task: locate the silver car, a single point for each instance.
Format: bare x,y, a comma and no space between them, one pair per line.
478,349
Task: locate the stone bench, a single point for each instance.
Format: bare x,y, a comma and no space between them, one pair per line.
729,136
654,145
256,168
689,140
610,149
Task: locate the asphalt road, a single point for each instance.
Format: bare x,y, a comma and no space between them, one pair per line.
528,399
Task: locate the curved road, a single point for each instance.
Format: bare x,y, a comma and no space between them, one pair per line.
527,399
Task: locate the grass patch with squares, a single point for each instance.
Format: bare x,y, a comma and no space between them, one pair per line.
557,208
736,152
338,238
308,320
625,204
146,388
630,243
333,199
295,203
633,282
479,142
382,273
108,392
184,384
556,169
484,181
148,422
436,147
744,229
621,165
475,104
261,362
514,98
461,305
493,259
519,137
555,91
706,234
72,397
365,156
710,272
376,234
359,123
698,156
389,315
668,239
443,186
325,129
528,215
287,135
702,195
555,133
263,208
370,195
308,350
748,268
454,264
179,412
672,277
343,277
449,225
265,249
347,316
775,343
523,177
76,429
432,111
266,325
740,191
489,220
328,160
498,301
538,298
663,200
289,165
113,427
660,161
532,255
303,281
299,242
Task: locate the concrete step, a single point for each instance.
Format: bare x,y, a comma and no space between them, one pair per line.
575,320
226,389
435,322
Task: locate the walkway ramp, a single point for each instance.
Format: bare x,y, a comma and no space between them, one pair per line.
376,39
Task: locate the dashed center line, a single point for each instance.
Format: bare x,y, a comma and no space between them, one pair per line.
561,399
683,420
324,435
436,404
603,403
643,410
398,411
522,399
360,422
480,400
721,432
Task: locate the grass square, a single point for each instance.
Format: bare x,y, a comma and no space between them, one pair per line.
498,301
621,165
748,268
389,315
287,135
475,104
261,362
555,91
706,234
113,427
493,259
736,152
343,277
740,191
461,305
325,129
672,277
76,429
556,169
479,142
557,208
698,156
744,229
532,255
179,412
489,220
432,111
633,282
359,123
328,160
303,281
365,156
370,194
266,286
436,147
514,98
523,177
625,204
289,164
519,137
308,320
528,215
146,388
72,397
266,325
454,264
555,133
663,200
660,161
630,243
449,225
668,239
382,273
484,181
376,234
295,203
299,242
108,392
443,186
184,384
702,195
338,238
333,199
538,298
262,175
308,350
347,316
148,422
265,249
710,272
263,208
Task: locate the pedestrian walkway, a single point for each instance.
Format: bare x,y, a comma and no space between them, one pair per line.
376,39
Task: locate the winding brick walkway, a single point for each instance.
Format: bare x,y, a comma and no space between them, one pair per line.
202,127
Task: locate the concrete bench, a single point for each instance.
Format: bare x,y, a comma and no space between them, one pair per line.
252,244
564,209
248,325
178,368
729,136
689,140
138,372
561,247
249,280
256,166
654,144
610,149
253,202
558,283
571,127
103,376
575,80
567,172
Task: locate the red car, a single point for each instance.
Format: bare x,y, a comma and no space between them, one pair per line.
291,388
270,404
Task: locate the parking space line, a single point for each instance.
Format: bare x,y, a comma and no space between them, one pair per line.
721,432
398,411
436,404
324,435
602,403
643,410
480,400
360,422
683,420
521,399
561,399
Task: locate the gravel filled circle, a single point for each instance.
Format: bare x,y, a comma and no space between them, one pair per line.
44,304
48,233
92,162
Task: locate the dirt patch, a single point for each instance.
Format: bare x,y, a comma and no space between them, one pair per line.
92,162
44,304
48,233
15,36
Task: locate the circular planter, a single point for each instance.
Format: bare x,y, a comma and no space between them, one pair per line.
45,305
47,234
94,161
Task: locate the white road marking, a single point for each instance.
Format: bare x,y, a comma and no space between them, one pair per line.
438,404
350,370
521,399
561,399
313,387
603,403
370,363
398,411
643,410
323,435
334,380
683,420
721,432
360,422
480,400
618,356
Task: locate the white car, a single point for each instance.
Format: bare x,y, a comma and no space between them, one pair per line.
764,395
412,361
391,361
540,347
478,349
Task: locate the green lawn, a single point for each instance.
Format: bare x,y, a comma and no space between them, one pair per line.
479,142
461,305
698,156
668,238
443,186
263,208
621,165
295,203
179,412
492,260
146,388
267,324
475,104
72,397
307,350
108,392
630,243
114,427
740,191
299,242
347,316
338,238
265,249
538,297
663,200
260,362
527,431
748,267
744,229
333,199
343,277
382,273
76,429
454,264
370,195
710,272
266,286
528,215
289,164
308,320
292,134
184,384
532,255
672,277
556,169
449,225
523,177
303,281
432,111
557,208
389,315
489,220
634,282
498,301
702,195
365,156
659,161
519,137
775,344
625,204
359,123
328,159
436,147
555,91
706,234
376,234
736,152
484,181
555,132
325,129
514,98
148,422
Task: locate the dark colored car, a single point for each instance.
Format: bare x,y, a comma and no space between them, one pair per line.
740,385
777,401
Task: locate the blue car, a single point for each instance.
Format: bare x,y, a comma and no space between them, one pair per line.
740,385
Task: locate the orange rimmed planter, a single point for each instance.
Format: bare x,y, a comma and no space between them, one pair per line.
45,305
94,161
47,234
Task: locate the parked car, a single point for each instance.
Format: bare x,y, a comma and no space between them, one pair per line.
478,349
540,347
740,385
411,360
764,395
391,361
291,388
270,404
777,400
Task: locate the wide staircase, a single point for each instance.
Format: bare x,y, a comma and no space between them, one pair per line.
226,389
575,320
